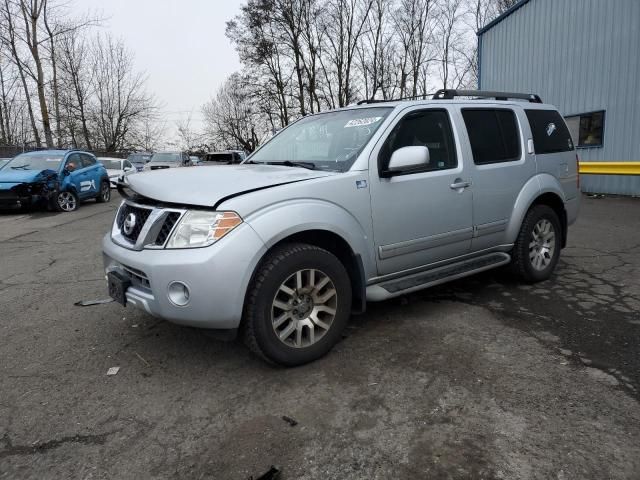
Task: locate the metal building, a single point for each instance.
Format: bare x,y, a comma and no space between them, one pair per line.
584,57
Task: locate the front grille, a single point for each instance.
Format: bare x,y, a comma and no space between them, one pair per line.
167,226
138,277
160,167
140,214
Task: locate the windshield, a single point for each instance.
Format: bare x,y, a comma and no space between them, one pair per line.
110,164
36,161
329,141
166,157
139,157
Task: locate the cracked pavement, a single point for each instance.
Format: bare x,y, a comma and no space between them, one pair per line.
480,378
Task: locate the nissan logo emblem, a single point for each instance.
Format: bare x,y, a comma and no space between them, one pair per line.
129,223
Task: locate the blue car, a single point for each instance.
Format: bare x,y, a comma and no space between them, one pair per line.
58,179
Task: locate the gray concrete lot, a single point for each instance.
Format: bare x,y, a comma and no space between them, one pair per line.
482,378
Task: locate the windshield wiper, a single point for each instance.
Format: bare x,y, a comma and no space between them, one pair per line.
288,163
21,166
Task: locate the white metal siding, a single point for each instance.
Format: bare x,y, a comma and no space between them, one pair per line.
580,55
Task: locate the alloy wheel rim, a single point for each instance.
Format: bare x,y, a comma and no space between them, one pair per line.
542,245
105,192
304,308
66,201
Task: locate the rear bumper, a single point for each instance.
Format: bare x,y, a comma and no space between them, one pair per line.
217,277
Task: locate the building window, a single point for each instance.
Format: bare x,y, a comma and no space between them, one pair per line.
493,134
587,129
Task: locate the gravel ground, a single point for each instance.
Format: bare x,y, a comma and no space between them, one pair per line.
481,378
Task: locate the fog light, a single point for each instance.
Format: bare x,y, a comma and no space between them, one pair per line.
178,294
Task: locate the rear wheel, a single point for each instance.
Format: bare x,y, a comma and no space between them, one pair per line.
537,249
105,192
66,202
297,306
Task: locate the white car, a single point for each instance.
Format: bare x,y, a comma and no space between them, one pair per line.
116,168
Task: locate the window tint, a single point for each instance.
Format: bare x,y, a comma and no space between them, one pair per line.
493,134
87,160
429,128
550,133
587,129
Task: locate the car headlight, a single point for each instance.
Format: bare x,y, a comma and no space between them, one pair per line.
200,228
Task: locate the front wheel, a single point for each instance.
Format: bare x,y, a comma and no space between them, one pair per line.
66,202
105,192
298,305
537,248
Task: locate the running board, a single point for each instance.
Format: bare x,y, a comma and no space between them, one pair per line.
436,276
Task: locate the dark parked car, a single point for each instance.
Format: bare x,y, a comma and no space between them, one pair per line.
227,157
139,159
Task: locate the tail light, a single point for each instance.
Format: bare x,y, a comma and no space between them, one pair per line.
578,171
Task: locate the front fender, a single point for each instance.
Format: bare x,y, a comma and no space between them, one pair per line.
279,221
536,186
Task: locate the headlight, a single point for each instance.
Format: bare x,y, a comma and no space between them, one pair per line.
200,228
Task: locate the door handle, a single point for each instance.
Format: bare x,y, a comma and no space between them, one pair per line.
459,184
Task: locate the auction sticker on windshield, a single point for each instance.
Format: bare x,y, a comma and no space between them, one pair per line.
361,122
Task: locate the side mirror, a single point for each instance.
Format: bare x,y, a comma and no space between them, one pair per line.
65,172
407,158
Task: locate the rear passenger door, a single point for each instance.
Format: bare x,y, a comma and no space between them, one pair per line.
501,166
420,216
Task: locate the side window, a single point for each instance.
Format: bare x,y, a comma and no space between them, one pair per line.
550,133
493,134
587,129
87,160
127,164
429,128
74,162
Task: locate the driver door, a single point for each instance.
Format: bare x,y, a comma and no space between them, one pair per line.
76,173
420,216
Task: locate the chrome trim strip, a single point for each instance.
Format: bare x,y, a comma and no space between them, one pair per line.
491,227
415,245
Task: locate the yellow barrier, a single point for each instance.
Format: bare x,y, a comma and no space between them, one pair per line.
610,168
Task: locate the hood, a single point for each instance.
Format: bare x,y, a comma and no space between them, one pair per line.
8,175
208,186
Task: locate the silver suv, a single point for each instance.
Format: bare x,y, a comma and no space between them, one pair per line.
353,205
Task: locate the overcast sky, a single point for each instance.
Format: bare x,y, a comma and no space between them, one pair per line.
180,44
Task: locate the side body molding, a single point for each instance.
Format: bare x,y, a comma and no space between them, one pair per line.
535,186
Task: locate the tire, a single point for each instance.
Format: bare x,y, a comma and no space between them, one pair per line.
66,201
537,248
104,195
302,294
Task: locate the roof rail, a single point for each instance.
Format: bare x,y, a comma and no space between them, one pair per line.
424,96
445,94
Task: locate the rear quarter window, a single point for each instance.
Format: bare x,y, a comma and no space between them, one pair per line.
550,133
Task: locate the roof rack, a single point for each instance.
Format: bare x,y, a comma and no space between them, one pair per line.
445,94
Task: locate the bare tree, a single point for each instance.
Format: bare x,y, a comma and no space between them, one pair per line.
231,119
120,96
10,40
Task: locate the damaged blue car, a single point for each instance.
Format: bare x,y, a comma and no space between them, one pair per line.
56,179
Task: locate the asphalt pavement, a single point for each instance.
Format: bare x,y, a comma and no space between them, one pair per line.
481,378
